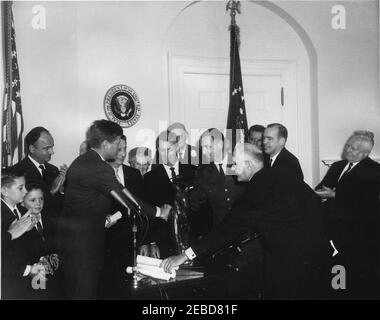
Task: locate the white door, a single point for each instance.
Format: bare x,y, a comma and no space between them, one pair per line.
200,94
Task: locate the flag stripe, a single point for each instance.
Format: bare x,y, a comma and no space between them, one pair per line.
13,124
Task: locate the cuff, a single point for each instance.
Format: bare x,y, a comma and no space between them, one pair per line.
190,254
27,270
158,212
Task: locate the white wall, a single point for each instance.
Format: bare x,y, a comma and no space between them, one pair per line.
89,46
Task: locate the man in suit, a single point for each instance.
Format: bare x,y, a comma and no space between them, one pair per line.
140,158
187,153
255,135
351,187
216,186
159,185
119,236
91,183
275,136
286,213
39,145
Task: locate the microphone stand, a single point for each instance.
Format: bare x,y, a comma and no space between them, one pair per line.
136,210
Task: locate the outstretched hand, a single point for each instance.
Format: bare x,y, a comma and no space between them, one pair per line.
24,224
173,261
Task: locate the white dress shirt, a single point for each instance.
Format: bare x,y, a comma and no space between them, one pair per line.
37,164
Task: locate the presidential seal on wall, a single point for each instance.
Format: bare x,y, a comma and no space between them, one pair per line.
122,105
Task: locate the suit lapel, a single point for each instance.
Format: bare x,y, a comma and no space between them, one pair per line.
31,168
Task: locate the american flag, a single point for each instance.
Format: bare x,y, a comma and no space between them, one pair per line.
237,117
13,124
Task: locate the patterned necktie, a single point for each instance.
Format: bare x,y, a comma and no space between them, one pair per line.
173,174
15,212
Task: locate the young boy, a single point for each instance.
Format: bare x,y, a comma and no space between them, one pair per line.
18,260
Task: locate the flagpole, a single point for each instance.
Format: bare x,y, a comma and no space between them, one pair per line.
236,119
7,12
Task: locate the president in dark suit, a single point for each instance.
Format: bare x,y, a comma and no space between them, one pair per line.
119,235
39,145
90,183
286,213
351,188
275,136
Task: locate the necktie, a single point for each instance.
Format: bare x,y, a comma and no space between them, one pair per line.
221,171
347,171
270,162
40,230
16,214
42,167
173,174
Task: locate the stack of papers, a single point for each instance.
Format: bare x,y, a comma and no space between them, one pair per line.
151,267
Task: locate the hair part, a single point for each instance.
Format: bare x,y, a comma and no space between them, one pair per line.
256,128
102,130
9,176
32,137
34,186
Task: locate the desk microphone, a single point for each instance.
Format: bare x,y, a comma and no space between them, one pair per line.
119,199
131,197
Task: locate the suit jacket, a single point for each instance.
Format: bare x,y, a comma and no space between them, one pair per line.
216,193
16,255
53,203
159,190
81,229
119,240
285,211
353,215
288,160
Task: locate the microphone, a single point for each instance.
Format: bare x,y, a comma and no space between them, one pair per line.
119,199
131,197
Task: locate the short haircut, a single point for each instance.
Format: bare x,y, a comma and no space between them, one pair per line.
123,137
32,137
249,151
102,130
177,125
9,175
141,151
34,186
365,136
282,131
166,136
256,128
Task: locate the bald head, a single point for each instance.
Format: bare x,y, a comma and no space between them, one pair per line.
248,160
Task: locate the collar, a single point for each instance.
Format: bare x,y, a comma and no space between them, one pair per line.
9,206
275,156
168,171
223,162
98,154
37,164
